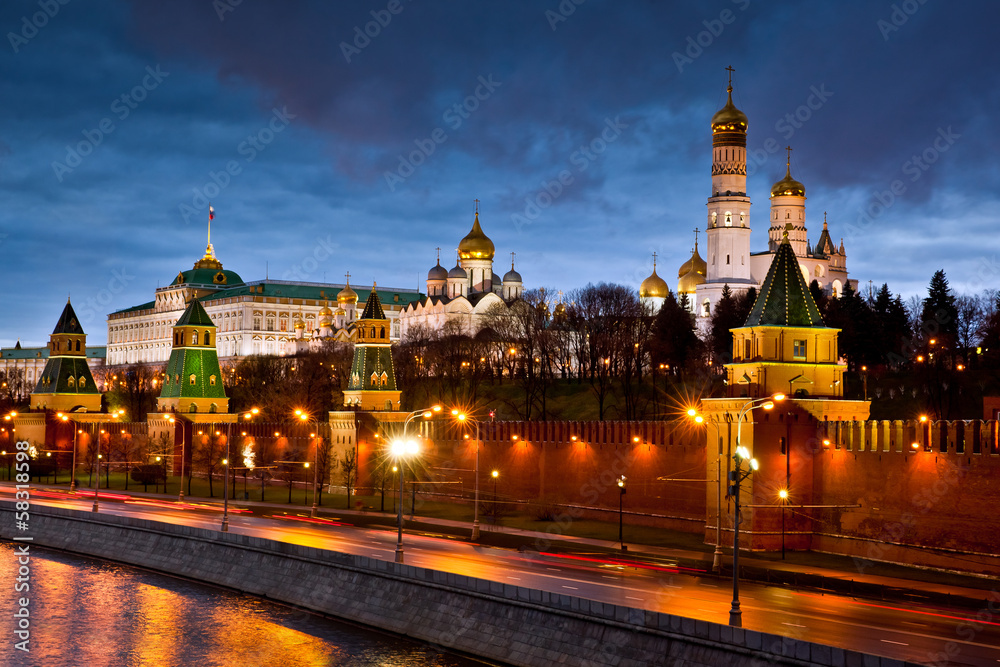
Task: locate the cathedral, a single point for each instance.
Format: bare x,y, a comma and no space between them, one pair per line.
727,233
462,296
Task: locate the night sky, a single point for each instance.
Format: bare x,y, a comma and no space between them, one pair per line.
326,150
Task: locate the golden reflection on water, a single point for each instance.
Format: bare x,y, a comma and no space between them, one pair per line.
86,612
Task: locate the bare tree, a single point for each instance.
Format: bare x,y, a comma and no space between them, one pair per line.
349,471
970,321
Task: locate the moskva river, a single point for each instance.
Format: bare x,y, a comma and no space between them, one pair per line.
83,612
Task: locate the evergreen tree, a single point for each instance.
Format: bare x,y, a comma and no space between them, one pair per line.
674,340
725,318
939,317
818,295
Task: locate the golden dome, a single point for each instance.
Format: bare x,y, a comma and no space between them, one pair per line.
340,312
476,245
299,324
689,281
654,286
325,312
347,295
696,262
788,186
729,118
325,323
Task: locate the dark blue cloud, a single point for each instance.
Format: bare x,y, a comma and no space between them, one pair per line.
857,88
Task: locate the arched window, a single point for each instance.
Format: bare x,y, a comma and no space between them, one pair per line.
381,333
82,382
729,219
194,338
207,339
193,378
211,380
77,346
374,380
72,383
373,332
213,408
193,407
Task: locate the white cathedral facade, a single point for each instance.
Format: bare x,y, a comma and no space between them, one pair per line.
729,260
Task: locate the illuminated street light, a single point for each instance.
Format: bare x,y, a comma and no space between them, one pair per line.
621,496
400,449
783,495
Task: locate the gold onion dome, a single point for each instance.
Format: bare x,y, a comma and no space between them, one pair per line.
654,286
788,186
729,117
696,262
325,312
476,245
689,281
325,323
340,312
299,324
347,295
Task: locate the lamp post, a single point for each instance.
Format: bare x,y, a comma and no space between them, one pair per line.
495,474
72,474
400,449
736,476
180,493
225,485
305,417
462,417
621,496
783,494
115,414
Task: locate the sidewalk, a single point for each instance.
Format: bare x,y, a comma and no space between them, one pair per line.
823,572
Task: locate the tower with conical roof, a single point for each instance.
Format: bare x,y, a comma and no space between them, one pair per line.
193,379
784,346
372,384
66,384
728,231
475,256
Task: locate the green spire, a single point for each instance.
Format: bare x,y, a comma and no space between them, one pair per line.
784,298
195,316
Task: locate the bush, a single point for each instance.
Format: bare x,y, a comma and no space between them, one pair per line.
149,474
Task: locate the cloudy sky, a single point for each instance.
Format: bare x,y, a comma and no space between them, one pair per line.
349,136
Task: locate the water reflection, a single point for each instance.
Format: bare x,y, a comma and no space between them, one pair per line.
89,612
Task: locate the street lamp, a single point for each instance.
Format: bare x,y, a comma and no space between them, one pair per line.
736,476
115,414
400,450
305,417
621,496
717,555
494,475
72,474
783,494
462,417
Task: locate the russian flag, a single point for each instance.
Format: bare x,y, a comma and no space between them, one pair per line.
211,213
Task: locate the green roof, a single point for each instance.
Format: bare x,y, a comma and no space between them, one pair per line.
373,308
372,360
96,352
202,364
142,306
216,277
66,375
195,315
68,322
784,299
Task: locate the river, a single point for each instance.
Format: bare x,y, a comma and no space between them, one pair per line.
95,613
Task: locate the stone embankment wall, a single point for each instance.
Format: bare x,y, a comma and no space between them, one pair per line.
511,624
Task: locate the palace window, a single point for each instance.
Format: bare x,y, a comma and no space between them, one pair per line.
799,349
